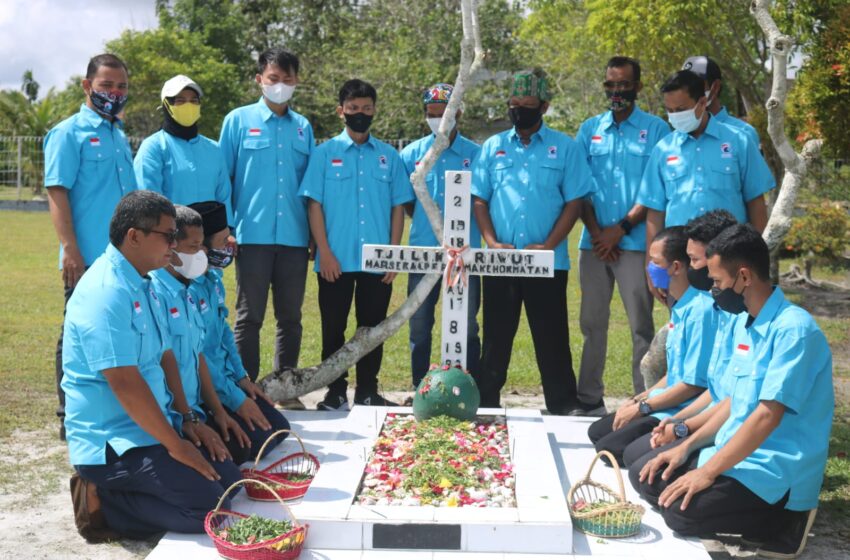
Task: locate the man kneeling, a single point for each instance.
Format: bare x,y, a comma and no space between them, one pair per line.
763,452
136,476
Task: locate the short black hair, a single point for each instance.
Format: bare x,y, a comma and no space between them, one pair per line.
675,244
620,61
352,89
708,226
686,80
140,210
741,245
282,58
105,59
186,217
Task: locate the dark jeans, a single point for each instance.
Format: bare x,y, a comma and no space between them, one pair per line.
545,302
145,491
371,300
422,324
603,435
727,506
257,436
60,410
285,270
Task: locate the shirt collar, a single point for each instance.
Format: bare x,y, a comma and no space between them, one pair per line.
712,129
607,119
95,119
687,297
541,134
174,286
131,276
768,311
347,142
266,113
722,114
454,146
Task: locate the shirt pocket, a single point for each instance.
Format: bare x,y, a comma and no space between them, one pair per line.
500,170
724,176
255,143
93,156
300,157
551,177
599,158
675,177
142,330
381,179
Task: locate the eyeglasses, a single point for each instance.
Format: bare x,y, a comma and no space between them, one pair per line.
170,236
625,84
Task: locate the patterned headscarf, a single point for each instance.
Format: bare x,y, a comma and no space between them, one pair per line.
531,82
438,93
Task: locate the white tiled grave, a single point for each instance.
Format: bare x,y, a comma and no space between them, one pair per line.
550,454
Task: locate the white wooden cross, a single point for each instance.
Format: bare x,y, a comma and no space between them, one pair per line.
463,260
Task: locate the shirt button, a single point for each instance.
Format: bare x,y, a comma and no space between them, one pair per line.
361,173
616,169
280,145
120,169
522,235
728,168
99,155
362,206
361,157
280,196
362,240
523,198
280,213
361,188
362,222
337,174
522,216
698,149
702,209
699,168
280,180
525,164
280,163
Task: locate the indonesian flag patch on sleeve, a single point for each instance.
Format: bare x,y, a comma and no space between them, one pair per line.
742,350
175,313
596,139
254,132
336,162
673,160
94,142
137,307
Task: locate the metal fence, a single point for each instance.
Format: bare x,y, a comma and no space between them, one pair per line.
22,164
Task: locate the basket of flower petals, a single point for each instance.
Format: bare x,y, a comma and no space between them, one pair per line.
287,478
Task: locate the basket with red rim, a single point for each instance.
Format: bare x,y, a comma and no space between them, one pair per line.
286,546
287,479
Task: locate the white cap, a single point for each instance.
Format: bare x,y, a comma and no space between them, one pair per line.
177,84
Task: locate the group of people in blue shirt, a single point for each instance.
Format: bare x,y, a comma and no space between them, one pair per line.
158,395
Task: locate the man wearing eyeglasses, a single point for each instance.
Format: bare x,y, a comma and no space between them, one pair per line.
613,244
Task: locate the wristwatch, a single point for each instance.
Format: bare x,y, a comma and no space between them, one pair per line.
681,430
626,225
192,417
644,408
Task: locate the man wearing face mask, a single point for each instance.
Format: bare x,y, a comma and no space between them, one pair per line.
709,71
690,341
355,187
701,166
88,167
242,399
527,185
762,456
458,157
613,243
266,146
177,161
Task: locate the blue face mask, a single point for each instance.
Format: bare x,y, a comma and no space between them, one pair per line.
659,276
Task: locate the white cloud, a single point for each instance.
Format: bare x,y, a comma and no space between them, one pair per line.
56,38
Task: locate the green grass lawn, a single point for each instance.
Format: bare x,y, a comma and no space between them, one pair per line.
31,311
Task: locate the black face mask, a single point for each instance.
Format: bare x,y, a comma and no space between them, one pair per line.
524,118
358,122
220,258
620,100
698,278
728,300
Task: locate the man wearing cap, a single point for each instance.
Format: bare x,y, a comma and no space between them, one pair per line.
702,165
177,161
457,157
528,185
88,167
266,148
709,71
613,244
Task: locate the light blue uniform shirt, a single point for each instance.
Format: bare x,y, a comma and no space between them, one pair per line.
457,157
357,186
527,187
687,177
266,156
781,356
618,156
745,127
222,357
184,328
111,322
690,341
720,385
90,157
184,171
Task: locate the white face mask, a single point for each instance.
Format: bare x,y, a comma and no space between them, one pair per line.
434,123
278,93
193,264
685,121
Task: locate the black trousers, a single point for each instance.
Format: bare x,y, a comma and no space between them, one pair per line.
60,410
727,506
545,301
603,435
371,301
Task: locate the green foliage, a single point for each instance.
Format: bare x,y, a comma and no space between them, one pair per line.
29,86
154,56
822,234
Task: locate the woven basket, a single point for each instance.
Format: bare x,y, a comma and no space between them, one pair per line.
288,478
283,547
599,511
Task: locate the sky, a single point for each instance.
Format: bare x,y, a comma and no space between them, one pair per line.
56,38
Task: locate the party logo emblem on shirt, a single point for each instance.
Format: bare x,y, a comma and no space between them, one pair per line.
382,161
137,307
500,153
94,142
204,306
300,133
466,163
190,299
673,160
742,350
642,136
553,152
153,295
175,313
596,139
725,150
254,132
